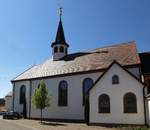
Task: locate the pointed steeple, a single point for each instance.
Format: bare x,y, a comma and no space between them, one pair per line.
60,36
60,47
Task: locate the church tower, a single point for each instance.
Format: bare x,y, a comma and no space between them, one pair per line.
59,47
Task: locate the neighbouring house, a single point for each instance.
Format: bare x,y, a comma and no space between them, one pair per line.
2,104
145,68
8,101
99,86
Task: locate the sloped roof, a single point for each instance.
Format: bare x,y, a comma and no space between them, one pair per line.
98,59
9,94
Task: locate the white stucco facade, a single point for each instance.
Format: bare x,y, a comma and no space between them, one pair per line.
147,103
127,83
75,109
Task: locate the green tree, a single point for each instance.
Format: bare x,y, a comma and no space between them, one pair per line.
41,98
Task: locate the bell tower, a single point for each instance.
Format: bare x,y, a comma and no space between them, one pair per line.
59,47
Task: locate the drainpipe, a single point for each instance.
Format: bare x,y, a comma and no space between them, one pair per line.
144,104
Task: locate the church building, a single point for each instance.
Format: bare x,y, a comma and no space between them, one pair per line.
98,86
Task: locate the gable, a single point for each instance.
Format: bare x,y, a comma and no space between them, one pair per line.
116,69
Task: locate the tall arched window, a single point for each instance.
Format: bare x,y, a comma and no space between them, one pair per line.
130,103
63,94
87,84
55,49
115,79
61,49
104,104
22,94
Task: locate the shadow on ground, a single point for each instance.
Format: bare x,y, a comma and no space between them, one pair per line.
53,124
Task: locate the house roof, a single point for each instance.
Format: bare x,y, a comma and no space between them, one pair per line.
145,62
94,60
9,94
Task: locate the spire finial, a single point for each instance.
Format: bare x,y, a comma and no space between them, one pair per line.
60,11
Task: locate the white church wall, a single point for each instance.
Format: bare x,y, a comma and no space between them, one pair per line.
17,106
116,93
75,109
147,111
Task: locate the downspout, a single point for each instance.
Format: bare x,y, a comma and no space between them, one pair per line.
13,96
30,99
144,104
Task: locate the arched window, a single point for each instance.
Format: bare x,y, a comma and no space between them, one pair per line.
55,49
130,103
63,93
115,79
87,84
104,103
22,94
61,49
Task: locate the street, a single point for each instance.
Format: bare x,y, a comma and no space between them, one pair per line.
7,125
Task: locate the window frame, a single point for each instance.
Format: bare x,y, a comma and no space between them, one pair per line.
22,96
61,49
56,49
83,90
115,79
102,109
62,102
128,109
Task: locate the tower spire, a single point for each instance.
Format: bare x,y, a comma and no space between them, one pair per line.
60,36
60,47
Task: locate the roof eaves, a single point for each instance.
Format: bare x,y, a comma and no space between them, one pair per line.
22,73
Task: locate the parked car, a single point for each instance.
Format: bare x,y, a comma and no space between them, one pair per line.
2,113
11,115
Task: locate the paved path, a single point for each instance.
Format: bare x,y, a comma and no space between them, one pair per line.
7,125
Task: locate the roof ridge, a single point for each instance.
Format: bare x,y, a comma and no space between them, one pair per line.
118,44
114,45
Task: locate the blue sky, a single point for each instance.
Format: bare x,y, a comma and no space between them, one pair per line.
27,28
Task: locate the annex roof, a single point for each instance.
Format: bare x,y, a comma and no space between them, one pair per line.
94,60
